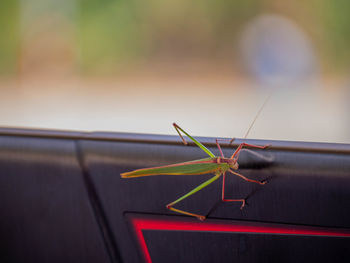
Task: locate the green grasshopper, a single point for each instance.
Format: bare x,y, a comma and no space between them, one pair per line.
217,165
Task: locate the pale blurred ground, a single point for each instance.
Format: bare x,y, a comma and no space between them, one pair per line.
128,67
220,107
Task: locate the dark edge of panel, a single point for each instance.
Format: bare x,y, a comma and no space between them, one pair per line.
96,205
172,139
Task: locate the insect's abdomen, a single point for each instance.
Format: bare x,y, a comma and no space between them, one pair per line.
189,168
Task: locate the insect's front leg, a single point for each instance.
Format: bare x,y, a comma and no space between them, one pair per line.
223,194
247,179
239,148
219,147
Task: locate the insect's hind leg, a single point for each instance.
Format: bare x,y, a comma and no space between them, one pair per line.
200,217
179,130
201,186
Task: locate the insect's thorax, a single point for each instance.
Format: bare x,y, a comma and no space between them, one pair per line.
231,162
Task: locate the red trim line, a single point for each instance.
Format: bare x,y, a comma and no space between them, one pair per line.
141,224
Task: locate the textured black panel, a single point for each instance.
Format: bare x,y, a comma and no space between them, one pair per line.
62,198
45,212
227,247
304,188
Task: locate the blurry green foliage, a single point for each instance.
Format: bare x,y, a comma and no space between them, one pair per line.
335,21
9,36
108,33
122,31
112,33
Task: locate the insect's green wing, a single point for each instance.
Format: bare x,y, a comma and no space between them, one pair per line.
202,166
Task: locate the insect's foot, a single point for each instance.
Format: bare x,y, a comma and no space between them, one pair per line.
243,204
263,182
266,146
231,141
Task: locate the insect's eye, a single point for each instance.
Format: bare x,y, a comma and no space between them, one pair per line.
234,165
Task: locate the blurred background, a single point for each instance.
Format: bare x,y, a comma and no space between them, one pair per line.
138,66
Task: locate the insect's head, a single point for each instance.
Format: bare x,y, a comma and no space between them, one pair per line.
233,164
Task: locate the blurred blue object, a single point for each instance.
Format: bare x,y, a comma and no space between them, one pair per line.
275,49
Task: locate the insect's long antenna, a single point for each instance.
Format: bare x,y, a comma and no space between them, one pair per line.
237,151
256,116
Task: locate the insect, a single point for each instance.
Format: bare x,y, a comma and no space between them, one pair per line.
218,165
